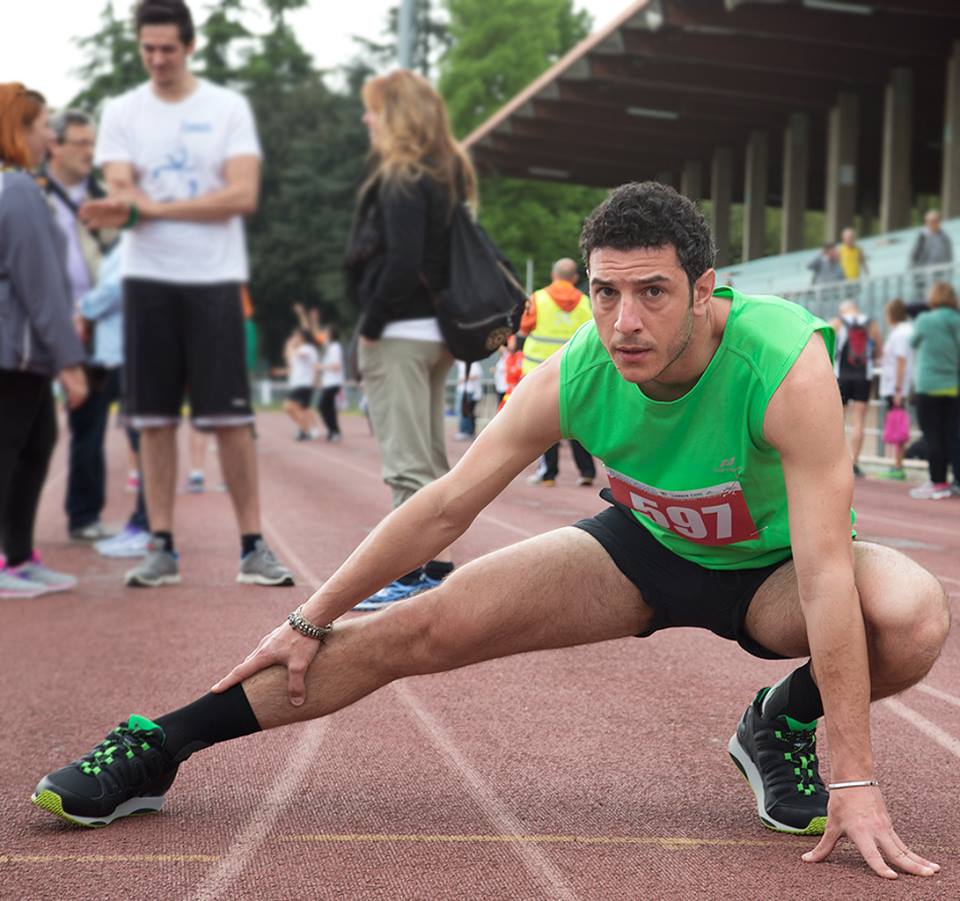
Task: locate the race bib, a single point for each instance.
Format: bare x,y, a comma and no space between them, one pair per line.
714,516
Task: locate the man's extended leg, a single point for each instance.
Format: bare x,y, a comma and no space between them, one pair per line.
906,617
490,608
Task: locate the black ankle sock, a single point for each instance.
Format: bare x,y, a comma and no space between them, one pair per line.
412,576
437,570
797,696
248,543
165,540
208,720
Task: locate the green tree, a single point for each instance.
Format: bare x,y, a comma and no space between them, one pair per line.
498,49
219,32
112,63
432,40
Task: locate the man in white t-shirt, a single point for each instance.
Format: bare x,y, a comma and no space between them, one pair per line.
182,164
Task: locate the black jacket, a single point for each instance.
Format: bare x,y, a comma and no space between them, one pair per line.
401,237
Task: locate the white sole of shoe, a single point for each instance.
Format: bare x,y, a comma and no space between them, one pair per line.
20,595
257,579
750,772
138,582
52,803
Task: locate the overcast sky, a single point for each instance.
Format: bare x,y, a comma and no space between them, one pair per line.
36,45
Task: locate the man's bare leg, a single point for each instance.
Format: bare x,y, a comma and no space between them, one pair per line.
905,612
158,457
858,420
238,461
491,607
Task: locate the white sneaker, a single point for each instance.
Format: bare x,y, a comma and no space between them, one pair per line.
129,543
15,585
931,492
42,575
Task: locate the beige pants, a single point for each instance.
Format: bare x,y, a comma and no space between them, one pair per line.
404,381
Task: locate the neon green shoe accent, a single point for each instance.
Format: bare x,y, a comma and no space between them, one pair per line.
140,723
52,803
797,726
816,826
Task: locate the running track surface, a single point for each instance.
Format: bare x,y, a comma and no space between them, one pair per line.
590,773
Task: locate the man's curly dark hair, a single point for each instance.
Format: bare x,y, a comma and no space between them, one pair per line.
650,214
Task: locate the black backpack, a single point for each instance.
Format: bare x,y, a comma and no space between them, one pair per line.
482,305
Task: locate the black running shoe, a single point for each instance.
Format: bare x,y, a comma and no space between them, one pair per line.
778,759
127,773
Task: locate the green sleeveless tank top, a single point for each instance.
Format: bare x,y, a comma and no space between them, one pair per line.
697,471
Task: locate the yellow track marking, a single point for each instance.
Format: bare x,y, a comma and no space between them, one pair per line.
109,858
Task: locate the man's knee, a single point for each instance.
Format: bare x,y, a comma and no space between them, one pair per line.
429,638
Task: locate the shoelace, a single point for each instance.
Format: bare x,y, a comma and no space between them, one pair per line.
802,755
121,742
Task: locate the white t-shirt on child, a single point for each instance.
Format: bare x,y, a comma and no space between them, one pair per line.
178,152
895,347
332,357
303,367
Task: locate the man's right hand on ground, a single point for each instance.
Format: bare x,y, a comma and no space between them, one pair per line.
860,814
74,382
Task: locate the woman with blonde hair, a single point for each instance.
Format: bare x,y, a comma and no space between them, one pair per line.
936,338
37,340
397,259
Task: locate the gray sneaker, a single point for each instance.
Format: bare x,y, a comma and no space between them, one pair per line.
159,567
95,531
13,585
260,567
50,579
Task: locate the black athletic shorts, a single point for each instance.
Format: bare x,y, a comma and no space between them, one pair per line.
185,339
680,592
853,387
301,396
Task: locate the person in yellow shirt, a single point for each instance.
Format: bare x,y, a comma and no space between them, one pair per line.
852,258
551,317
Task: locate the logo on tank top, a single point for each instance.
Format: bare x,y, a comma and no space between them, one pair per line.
715,516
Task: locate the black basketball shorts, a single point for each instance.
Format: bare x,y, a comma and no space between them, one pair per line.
853,388
680,592
184,340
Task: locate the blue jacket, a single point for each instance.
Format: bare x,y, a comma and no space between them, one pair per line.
103,305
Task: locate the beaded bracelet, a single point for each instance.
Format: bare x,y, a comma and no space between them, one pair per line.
305,627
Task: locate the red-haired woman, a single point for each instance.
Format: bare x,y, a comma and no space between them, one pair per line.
37,340
397,259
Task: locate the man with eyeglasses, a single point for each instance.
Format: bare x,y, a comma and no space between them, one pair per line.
68,181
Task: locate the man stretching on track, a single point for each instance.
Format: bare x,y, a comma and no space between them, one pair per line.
718,418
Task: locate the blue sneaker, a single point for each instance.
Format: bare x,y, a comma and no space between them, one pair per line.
397,591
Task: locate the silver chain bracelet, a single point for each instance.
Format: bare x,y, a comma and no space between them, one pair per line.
305,627
861,783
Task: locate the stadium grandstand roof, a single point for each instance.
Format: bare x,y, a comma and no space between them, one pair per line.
671,80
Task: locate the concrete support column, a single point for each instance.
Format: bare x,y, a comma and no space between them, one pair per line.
895,194
950,182
721,191
755,197
796,168
691,180
843,134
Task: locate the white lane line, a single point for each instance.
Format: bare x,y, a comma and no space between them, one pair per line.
948,579
302,759
922,724
290,781
505,823
939,695
904,523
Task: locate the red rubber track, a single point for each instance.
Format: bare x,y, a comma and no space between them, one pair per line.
590,773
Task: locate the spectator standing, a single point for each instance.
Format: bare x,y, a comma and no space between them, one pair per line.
469,393
331,382
852,258
500,384
826,266
103,304
552,315
37,341
182,165
932,247
858,347
398,257
896,372
68,182
936,338
302,359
